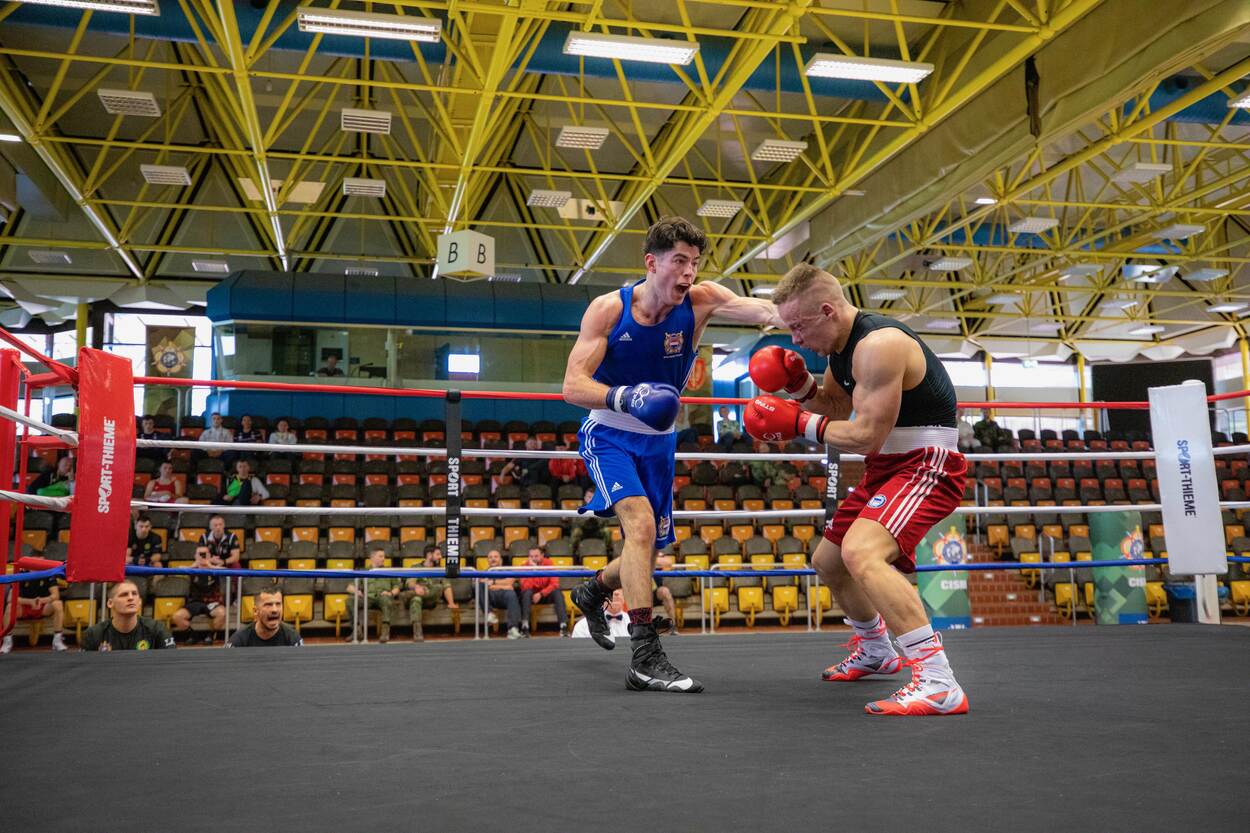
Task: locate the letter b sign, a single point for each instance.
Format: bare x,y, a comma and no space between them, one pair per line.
466,255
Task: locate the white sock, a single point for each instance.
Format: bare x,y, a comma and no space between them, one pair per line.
874,636
920,643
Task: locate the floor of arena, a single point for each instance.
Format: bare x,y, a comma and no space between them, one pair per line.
1128,728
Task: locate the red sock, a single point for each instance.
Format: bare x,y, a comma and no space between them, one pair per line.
641,616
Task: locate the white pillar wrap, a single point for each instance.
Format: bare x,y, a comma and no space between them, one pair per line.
1187,485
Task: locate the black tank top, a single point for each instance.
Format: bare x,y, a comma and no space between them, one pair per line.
932,402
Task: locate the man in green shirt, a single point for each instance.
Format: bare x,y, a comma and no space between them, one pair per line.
381,594
125,629
427,591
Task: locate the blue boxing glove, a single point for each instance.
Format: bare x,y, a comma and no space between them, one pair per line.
654,405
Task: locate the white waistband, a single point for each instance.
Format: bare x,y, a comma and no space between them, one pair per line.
623,422
903,440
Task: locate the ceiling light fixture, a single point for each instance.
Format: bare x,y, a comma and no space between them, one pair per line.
1140,273
356,187
360,271
583,138
854,68
548,199
943,324
950,264
1242,103
630,48
887,294
216,267
1004,298
1227,307
352,120
46,257
369,24
985,201
1140,172
1148,330
10,137
1032,225
720,208
123,6
1118,303
505,277
1080,270
1178,231
778,150
165,175
1206,274
1045,327
129,103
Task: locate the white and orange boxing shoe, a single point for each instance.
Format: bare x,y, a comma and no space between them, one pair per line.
932,691
863,663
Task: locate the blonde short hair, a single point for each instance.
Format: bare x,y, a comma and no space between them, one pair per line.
802,278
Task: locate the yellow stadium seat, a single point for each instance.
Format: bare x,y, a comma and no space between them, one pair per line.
710,533
36,539
1239,593
794,560
340,563
302,564
297,608
1030,576
716,599
724,505
272,534
785,602
696,562
342,533
742,532
694,505
594,562
305,533
412,562
820,600
682,532
377,533
750,602
191,533
480,533
334,609
773,533
514,533
804,532
263,564
1157,599
1065,599
549,533
411,533
481,563
164,607
753,505
79,613
562,561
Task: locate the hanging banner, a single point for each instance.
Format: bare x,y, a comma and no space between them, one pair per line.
169,354
105,465
1188,489
1119,592
945,592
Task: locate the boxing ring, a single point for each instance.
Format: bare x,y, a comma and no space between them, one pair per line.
1095,727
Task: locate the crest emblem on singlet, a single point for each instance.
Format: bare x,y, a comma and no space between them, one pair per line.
673,343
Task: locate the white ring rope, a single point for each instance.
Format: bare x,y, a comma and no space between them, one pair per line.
69,437
59,504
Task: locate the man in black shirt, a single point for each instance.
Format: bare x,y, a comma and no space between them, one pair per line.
267,628
125,629
144,548
147,431
217,548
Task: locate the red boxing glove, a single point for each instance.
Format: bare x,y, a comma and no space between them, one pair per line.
774,368
772,419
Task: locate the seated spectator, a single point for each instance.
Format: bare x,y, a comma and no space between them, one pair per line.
144,547
243,488
283,435
216,433
427,591
55,482
267,628
663,596
501,592
246,433
531,471
764,473
217,548
380,593
537,591
35,600
147,431
331,367
617,615
968,441
563,470
728,429
125,629
164,488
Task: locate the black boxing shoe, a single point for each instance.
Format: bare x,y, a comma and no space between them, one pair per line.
650,670
589,598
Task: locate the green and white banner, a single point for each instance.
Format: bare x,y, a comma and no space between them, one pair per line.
945,592
1119,592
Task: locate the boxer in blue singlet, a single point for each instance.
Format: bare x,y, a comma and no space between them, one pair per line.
633,354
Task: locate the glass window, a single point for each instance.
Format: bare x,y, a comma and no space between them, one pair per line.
1055,376
1227,367
968,374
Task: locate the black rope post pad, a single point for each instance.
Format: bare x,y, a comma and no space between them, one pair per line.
833,473
455,498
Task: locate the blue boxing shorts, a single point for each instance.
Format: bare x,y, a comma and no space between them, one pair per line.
629,464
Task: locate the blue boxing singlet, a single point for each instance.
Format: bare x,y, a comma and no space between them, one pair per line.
662,353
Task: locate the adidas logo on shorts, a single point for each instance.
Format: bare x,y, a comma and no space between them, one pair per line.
616,487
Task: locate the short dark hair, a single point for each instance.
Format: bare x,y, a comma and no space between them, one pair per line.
273,589
377,546
669,231
429,548
143,517
116,587
215,516
147,417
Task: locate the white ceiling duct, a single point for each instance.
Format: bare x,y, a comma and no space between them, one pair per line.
68,290
1108,351
1163,352
148,296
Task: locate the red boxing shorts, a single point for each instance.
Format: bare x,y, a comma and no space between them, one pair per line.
907,493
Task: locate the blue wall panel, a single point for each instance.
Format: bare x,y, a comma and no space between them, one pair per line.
420,302
470,305
369,300
563,306
262,296
517,306
318,298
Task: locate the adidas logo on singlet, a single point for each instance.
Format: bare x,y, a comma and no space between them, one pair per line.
625,337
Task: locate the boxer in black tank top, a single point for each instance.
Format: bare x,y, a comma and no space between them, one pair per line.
884,395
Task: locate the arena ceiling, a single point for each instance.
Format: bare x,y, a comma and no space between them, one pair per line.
1105,124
